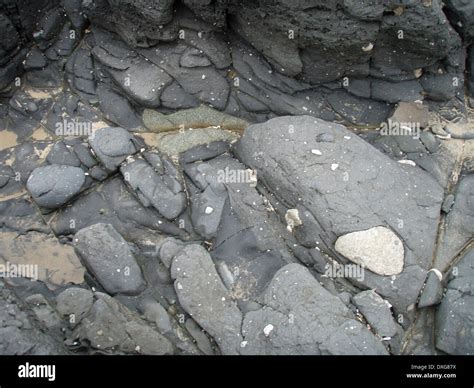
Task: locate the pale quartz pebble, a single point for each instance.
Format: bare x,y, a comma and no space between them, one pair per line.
407,162
378,249
268,329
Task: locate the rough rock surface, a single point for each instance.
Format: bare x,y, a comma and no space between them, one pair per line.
459,223
213,307
120,123
454,317
227,208
433,290
282,153
251,58
344,190
300,317
19,334
156,181
111,326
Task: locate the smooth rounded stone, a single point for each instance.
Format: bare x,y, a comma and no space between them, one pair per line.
74,304
377,249
300,317
377,312
455,315
433,291
156,313
112,146
53,186
204,297
109,258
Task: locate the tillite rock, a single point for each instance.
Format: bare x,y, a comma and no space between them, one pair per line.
242,177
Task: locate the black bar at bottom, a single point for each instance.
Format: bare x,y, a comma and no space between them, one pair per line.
316,371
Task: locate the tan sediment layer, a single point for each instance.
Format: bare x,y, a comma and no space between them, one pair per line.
55,264
8,139
201,117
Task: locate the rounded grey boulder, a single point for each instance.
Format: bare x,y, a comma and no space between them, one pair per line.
112,146
109,258
53,186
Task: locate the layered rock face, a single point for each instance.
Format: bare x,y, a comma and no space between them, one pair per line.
236,177
345,60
